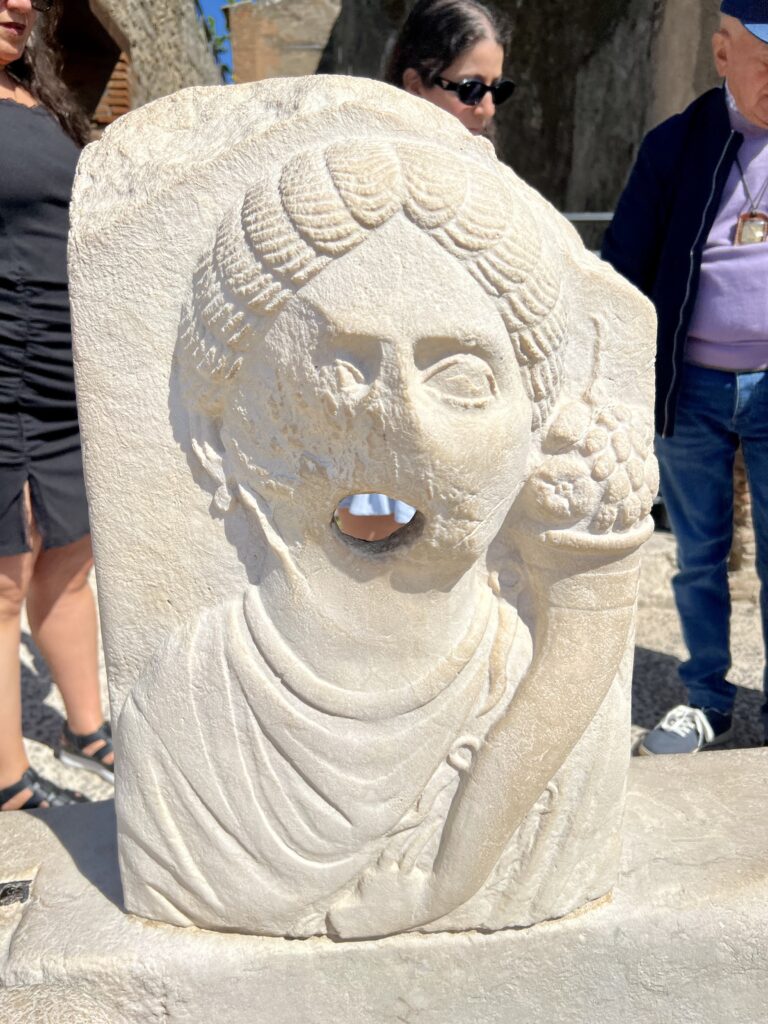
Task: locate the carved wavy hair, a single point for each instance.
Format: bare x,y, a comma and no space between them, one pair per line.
324,204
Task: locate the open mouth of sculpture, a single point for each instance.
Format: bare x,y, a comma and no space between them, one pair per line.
376,522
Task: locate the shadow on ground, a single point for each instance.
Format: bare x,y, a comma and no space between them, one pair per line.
39,721
88,832
656,688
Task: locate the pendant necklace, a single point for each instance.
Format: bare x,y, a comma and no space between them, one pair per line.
751,227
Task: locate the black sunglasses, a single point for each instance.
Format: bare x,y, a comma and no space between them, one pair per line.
42,5
471,90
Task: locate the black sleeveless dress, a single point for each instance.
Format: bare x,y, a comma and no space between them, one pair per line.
39,434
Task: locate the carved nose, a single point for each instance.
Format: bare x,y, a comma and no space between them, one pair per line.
394,415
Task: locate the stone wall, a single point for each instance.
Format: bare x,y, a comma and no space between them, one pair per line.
361,35
165,41
276,38
654,58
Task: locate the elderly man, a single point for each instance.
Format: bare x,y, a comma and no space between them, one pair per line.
691,231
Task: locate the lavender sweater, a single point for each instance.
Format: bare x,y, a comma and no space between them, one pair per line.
729,327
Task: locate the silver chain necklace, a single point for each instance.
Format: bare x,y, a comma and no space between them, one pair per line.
753,203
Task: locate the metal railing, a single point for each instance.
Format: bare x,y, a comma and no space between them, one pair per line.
603,217
589,218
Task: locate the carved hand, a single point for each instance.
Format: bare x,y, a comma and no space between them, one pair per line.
386,901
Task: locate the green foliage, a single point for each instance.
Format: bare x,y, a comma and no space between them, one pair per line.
217,41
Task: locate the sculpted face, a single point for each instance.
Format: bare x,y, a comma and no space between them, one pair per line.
390,372
742,59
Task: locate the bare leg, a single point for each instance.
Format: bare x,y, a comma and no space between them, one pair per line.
15,576
62,618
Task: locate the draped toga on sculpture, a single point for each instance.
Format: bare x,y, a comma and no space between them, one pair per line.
420,732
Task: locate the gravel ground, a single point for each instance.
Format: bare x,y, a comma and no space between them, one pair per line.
655,686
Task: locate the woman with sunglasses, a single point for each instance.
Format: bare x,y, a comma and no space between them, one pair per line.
451,52
45,552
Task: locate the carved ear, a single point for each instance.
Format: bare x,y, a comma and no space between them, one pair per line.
208,449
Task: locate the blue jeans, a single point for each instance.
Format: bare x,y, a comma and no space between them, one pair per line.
716,412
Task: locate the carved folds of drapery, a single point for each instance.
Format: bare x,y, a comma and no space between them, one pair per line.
295,291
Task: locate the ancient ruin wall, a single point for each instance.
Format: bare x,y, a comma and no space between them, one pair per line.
279,38
166,43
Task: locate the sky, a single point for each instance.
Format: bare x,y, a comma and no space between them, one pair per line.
214,8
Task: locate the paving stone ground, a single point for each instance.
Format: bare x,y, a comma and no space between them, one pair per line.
656,688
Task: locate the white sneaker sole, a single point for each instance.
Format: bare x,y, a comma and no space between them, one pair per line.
86,764
716,742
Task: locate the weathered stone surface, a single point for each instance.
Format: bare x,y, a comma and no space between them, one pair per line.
166,44
681,939
335,289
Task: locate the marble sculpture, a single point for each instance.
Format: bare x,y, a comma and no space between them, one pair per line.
285,294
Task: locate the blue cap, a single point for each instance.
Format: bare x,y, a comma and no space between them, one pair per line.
753,14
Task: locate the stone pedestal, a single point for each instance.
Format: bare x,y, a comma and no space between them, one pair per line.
681,939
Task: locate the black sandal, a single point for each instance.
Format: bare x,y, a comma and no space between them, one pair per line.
43,792
71,751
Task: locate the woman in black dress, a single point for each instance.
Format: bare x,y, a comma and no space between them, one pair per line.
45,549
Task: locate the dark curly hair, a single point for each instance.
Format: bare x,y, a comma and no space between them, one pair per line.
38,70
436,32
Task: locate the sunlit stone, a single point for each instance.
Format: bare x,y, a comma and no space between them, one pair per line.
301,291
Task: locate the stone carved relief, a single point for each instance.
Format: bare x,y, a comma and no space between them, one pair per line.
427,732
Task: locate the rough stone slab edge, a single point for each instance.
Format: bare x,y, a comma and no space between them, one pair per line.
682,939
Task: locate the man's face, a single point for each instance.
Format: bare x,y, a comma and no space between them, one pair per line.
742,59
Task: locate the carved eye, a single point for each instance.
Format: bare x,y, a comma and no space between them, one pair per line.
348,376
464,380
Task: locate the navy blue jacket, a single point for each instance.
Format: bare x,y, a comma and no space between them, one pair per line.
662,221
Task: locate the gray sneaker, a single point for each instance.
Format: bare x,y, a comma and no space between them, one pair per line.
687,730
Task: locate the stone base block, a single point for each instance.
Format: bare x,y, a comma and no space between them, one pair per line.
681,939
